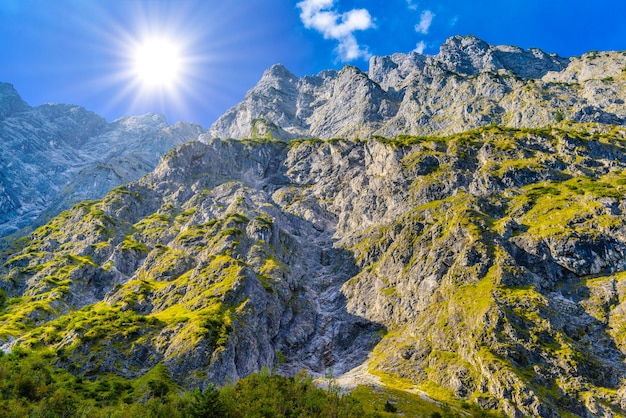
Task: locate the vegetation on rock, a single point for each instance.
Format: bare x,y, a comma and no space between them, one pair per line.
483,268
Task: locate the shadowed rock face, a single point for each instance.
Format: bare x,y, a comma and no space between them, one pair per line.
468,84
56,155
488,263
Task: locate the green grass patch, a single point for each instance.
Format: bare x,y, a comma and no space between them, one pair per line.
131,244
375,401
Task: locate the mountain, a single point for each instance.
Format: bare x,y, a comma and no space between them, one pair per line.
56,155
486,266
467,85
483,267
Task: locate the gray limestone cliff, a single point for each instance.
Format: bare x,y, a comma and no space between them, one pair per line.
467,85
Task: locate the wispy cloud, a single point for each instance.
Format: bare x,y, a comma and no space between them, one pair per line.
412,4
426,19
420,47
319,15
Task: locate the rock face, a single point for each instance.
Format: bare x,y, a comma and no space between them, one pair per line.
486,265
56,155
467,85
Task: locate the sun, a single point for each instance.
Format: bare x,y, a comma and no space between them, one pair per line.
157,63
158,57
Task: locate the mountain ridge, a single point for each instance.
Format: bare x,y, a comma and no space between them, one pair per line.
467,85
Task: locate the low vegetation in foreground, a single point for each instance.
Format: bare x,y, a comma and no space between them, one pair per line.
31,386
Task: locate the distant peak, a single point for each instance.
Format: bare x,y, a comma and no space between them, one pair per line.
278,71
468,44
7,87
469,55
147,122
465,40
351,69
10,101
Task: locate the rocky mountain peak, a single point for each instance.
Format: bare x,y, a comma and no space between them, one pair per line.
10,101
470,56
277,77
466,55
141,123
278,71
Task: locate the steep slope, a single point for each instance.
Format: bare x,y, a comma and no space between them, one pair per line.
467,85
56,155
486,266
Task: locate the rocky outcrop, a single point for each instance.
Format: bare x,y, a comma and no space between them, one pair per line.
467,85
469,56
487,266
56,155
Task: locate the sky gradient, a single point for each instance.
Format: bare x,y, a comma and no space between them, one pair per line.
78,51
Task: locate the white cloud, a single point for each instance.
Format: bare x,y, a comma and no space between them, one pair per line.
318,15
412,4
426,19
419,48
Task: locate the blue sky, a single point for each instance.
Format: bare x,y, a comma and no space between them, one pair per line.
79,51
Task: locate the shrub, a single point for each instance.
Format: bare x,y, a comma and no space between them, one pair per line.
559,116
389,407
158,388
206,403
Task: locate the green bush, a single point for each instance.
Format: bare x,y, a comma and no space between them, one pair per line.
206,403
558,116
389,407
